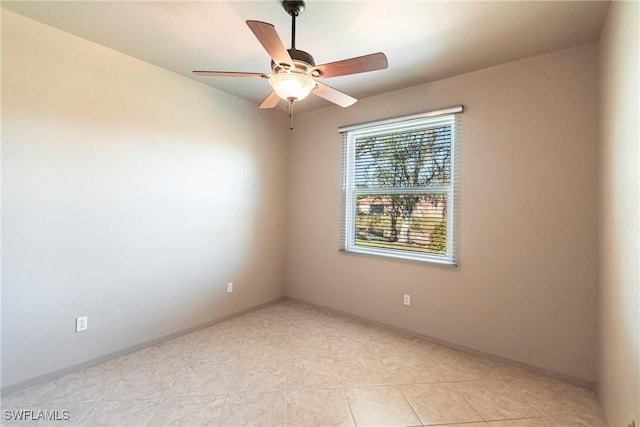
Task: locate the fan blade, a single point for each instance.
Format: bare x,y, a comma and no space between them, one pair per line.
270,101
230,74
268,37
360,64
333,95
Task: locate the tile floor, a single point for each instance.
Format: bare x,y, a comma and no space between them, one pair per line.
291,365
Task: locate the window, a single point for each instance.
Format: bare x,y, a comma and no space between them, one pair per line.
399,187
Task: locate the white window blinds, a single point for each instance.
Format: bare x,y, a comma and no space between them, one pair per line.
399,187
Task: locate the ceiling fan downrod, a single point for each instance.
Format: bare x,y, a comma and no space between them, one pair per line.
293,30
293,8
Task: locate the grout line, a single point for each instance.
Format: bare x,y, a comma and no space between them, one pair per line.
341,385
173,383
232,376
93,407
470,405
410,405
346,399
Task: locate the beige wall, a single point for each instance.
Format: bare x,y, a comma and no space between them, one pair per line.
131,195
526,285
619,257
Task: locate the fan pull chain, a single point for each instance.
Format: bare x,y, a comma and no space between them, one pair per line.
291,101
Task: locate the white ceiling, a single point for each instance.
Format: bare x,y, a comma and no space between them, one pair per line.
423,40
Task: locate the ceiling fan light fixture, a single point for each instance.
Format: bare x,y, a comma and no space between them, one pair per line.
293,71
292,86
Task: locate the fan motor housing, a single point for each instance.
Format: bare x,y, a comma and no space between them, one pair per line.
301,55
302,61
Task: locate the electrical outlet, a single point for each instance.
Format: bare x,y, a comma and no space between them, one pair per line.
81,324
407,299
230,287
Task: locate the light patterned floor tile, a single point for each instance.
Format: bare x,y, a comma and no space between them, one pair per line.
552,397
259,380
318,407
495,400
189,411
350,346
380,406
169,355
143,383
202,379
363,371
308,372
456,365
215,353
439,403
257,348
291,364
523,422
573,418
411,368
254,409
309,345
28,395
87,385
131,413
124,363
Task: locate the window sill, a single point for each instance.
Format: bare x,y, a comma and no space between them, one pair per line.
435,261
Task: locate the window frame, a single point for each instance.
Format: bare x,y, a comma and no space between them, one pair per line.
350,192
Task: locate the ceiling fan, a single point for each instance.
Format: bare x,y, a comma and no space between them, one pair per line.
294,72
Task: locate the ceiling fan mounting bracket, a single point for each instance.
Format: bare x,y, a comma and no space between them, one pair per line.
293,8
